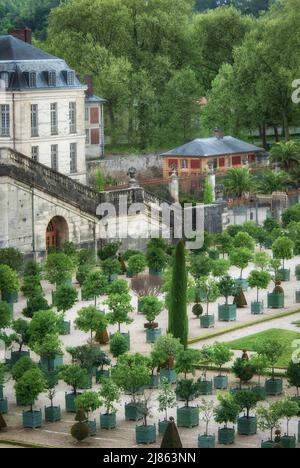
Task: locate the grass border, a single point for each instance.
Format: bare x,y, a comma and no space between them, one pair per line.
243,325
25,444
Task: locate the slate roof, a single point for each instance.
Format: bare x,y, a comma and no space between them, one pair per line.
209,147
19,58
95,99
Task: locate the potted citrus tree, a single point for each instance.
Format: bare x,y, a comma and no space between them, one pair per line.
167,400
188,416
52,412
221,354
118,345
102,362
259,280
268,419
136,264
226,412
227,288
240,258
244,370
119,309
293,377
288,410
20,337
64,298
247,424
151,308
95,285
111,268
131,374
109,395
145,433
88,402
206,360
283,248
276,298
157,261
91,320
59,268
23,364
211,290
76,377
186,362
9,285
272,349
206,409
164,352
260,365
28,387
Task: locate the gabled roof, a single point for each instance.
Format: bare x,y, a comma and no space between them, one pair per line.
209,147
13,49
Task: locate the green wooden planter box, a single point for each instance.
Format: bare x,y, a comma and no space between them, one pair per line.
274,387
214,254
285,274
154,382
159,274
257,308
32,419
102,374
145,434
49,365
297,400
132,412
288,442
3,405
226,436
206,387
227,313
70,402
260,392
207,441
152,335
207,321
188,416
242,283
52,414
65,328
162,426
297,297
247,426
275,301
11,298
168,374
221,382
108,421
16,355
268,444
1,392
92,427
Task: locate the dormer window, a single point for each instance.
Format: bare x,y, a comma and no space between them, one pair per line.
70,78
32,79
5,79
52,78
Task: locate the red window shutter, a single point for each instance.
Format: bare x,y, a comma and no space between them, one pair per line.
195,164
236,160
173,162
252,158
94,115
222,162
95,137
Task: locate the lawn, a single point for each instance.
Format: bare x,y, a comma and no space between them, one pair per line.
284,336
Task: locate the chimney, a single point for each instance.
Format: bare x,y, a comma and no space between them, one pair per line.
24,35
218,133
89,82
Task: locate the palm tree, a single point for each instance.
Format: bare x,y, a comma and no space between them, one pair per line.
271,182
286,154
238,182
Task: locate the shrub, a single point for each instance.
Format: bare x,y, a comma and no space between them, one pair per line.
157,259
243,240
109,251
243,370
88,402
227,411
118,345
11,257
80,431
59,268
91,320
120,286
30,385
146,285
5,315
137,264
21,366
197,310
111,266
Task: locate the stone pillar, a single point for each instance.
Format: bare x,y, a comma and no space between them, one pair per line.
212,178
174,186
133,183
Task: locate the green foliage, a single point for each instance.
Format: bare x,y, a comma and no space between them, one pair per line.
197,310
43,323
246,400
88,402
240,258
291,214
287,409
244,240
238,182
100,180
261,260
201,266
110,250
137,264
118,345
109,394
30,385
220,268
111,266
65,297
165,347
90,319
211,290
11,257
120,286
166,397
259,279
224,242
157,259
74,376
58,268
21,366
188,389
186,361
221,354
293,375
31,286
268,418
88,357
208,193
272,349
5,315
119,306
151,307
49,348
243,370
95,285
34,304
80,431
283,248
9,281
178,320
21,333
132,373
227,411
227,287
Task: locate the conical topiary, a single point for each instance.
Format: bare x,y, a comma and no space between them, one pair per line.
171,437
197,310
102,337
3,424
80,431
80,415
240,299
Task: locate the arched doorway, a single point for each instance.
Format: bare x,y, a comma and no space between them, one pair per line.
57,232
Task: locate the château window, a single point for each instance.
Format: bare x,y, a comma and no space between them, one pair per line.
87,136
70,78
32,80
54,157
5,78
87,114
184,164
72,117
35,153
34,120
73,158
54,119
5,120
52,78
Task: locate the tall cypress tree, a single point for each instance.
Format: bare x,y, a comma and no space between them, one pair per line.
178,320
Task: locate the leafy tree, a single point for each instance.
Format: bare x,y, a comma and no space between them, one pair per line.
157,259
109,394
11,257
9,281
260,364
111,266
227,287
88,402
5,315
283,249
246,401
271,182
201,266
166,397
269,418
109,251
272,349
243,370
120,286
87,357
118,345
165,350
132,373
151,308
211,290
224,243
227,411
43,323
186,361
261,260
23,364
90,319
293,375
119,306
30,385
259,280
21,333
286,154
188,389
100,180
65,297
220,268
34,304
206,409
49,348
74,376
291,214
95,285
137,264
241,258
244,240
221,355
287,409
58,268
206,359
208,193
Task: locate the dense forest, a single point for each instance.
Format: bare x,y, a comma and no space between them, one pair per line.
155,60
